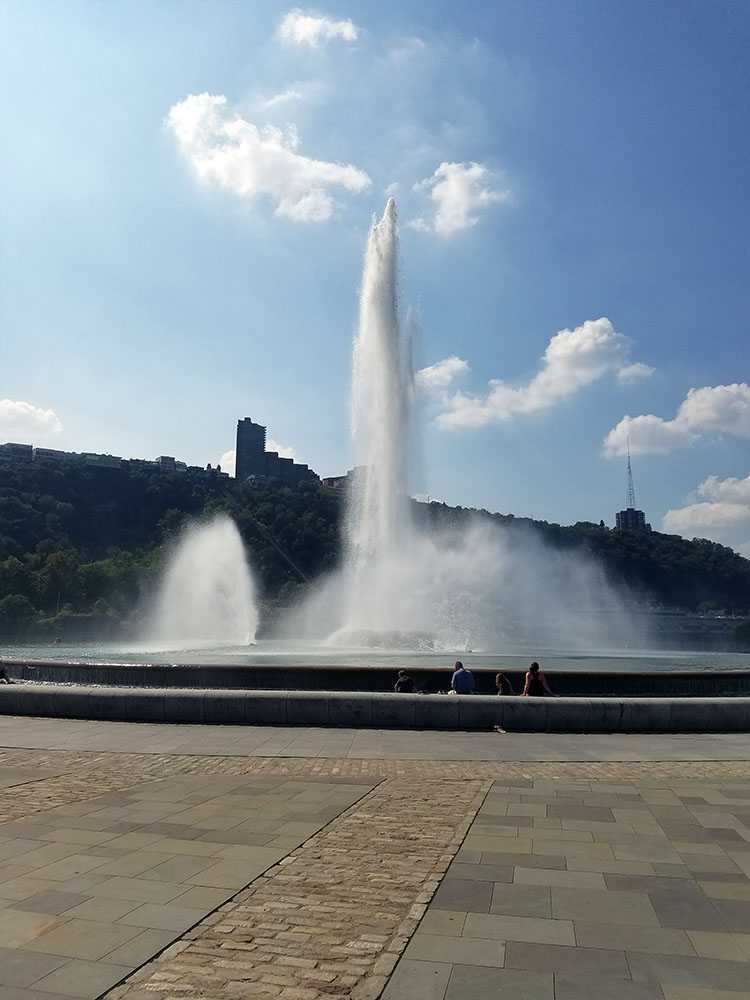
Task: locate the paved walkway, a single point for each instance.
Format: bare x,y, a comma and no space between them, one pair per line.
91,890
364,744
142,873
570,890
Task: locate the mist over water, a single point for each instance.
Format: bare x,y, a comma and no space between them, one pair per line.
473,585
207,593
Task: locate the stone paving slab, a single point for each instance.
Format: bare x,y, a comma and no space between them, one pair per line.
363,744
655,933
85,903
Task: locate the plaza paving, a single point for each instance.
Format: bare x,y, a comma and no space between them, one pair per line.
132,869
364,744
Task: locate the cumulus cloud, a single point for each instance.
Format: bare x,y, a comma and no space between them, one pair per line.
227,150
728,490
284,450
25,423
646,435
721,512
459,193
636,372
573,360
442,374
718,409
299,27
228,460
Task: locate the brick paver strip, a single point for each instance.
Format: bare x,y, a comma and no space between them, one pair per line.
332,918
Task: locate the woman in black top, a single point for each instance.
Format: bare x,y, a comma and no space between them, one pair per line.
536,685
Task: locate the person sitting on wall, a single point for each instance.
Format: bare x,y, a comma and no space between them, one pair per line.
404,683
462,681
503,685
536,685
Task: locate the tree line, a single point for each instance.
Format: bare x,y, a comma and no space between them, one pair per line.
81,548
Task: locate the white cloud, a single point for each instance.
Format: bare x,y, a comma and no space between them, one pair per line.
723,409
573,359
646,435
284,97
706,519
634,373
25,423
442,374
251,162
722,514
284,450
725,490
299,27
718,409
459,192
228,460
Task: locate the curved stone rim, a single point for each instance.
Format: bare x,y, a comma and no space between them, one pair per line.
378,710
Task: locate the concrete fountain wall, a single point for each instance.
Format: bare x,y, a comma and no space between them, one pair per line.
578,684
379,709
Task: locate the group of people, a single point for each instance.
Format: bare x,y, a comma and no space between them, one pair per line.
462,682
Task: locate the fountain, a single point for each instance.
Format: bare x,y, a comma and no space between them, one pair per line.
416,584
207,594
431,587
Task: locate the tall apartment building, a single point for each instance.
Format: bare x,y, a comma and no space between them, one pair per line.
250,452
252,459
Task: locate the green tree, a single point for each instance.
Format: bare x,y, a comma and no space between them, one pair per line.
16,611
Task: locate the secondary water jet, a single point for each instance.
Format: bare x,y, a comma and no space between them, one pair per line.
207,594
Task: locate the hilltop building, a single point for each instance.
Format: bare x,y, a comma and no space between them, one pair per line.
631,519
18,454
341,483
254,462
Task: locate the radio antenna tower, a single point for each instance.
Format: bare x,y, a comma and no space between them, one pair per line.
630,495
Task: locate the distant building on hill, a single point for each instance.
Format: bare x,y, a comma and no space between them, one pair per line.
631,519
17,454
252,461
341,483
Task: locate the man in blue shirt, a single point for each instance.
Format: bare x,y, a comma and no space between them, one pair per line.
462,681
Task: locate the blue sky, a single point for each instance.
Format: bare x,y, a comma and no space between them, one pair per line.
171,261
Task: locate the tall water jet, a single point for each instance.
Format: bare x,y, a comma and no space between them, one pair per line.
434,580
207,593
377,522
